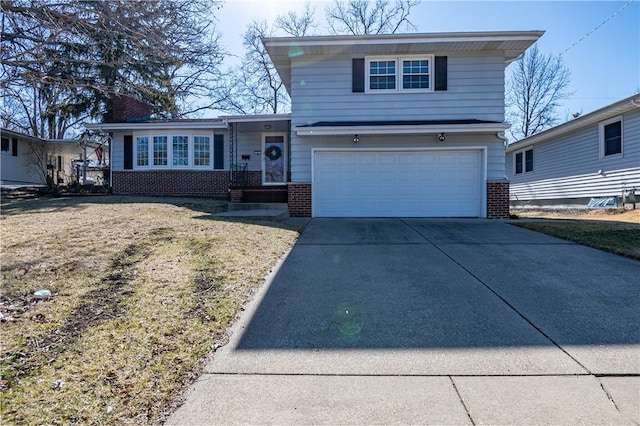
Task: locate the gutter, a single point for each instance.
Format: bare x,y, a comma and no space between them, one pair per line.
400,130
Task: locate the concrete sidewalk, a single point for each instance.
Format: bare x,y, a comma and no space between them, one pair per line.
415,321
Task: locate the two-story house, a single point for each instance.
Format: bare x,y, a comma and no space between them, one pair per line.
402,125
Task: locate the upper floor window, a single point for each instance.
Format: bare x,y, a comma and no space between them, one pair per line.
524,161
399,74
382,75
611,137
415,74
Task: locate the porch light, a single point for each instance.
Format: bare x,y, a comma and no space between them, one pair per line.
441,137
356,139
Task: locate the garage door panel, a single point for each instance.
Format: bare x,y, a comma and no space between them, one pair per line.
397,184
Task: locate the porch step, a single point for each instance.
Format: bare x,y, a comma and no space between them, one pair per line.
258,214
257,206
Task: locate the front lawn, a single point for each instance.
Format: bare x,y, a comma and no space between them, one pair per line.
615,237
142,290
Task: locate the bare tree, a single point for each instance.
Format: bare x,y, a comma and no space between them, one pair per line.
538,84
255,87
298,25
370,17
37,158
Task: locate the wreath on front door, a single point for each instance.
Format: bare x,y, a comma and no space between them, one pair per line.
273,153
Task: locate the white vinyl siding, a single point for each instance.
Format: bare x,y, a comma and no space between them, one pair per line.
301,149
572,165
322,91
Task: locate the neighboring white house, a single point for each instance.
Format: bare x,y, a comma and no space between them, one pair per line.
380,125
17,167
596,155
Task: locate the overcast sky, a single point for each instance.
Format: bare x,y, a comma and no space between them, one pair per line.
605,64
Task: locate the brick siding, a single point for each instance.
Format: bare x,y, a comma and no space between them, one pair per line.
126,107
202,183
498,200
299,199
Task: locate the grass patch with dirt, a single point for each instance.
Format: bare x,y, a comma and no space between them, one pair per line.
142,289
615,231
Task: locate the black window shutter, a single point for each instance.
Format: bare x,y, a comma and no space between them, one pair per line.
357,78
441,73
14,147
128,152
218,151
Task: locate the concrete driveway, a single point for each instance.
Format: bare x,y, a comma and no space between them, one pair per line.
431,321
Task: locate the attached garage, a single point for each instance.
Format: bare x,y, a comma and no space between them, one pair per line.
397,183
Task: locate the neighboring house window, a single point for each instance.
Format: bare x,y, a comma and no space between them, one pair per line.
524,161
160,151
180,150
6,147
611,137
142,151
413,73
201,150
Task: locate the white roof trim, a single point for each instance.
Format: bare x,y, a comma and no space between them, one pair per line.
164,125
254,118
402,38
596,116
400,129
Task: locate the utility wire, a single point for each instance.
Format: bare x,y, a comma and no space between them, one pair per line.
597,27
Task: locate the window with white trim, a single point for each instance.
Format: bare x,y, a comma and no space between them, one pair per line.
611,137
142,151
173,151
402,73
160,151
523,161
201,151
382,75
180,150
415,74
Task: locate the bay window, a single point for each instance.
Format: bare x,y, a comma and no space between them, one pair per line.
166,151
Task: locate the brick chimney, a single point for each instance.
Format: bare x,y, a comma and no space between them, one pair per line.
126,108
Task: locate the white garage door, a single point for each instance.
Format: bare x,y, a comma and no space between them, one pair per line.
397,184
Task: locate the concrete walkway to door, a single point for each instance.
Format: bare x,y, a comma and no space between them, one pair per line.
431,321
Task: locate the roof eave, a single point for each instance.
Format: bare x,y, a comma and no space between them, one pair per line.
596,116
212,125
401,130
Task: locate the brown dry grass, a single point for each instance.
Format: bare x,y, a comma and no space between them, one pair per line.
613,230
142,289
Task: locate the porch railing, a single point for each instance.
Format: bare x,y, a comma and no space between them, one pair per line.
239,175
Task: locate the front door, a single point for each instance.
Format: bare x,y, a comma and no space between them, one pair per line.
273,165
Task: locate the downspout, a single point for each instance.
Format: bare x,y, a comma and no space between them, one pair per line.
635,102
500,135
